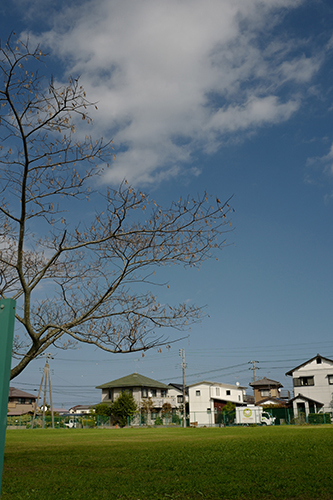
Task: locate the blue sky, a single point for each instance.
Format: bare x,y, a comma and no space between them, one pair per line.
235,98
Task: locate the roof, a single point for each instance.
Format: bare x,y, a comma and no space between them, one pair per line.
300,396
309,361
179,387
18,413
220,384
133,380
273,401
265,382
17,393
59,410
79,407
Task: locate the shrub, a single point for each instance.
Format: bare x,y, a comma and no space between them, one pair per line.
319,418
103,410
123,408
175,419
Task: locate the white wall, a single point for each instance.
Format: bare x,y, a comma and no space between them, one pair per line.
321,390
202,406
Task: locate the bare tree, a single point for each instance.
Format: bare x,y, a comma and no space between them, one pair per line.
147,405
77,279
166,411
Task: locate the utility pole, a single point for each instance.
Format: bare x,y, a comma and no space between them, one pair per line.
46,377
182,354
254,368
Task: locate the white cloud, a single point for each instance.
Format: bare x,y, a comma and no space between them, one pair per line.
172,77
325,161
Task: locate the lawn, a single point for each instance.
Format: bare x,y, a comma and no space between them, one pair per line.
284,462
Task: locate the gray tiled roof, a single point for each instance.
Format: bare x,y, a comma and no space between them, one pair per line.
265,382
17,393
133,380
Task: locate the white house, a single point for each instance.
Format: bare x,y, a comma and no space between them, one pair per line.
82,409
206,399
313,385
176,391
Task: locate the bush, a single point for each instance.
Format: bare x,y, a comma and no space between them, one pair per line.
88,422
158,421
123,408
300,420
319,418
175,419
20,420
103,410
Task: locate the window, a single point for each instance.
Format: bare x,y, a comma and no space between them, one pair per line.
330,379
144,392
303,381
318,361
21,401
197,393
228,392
179,399
153,393
239,398
164,393
264,393
217,391
110,394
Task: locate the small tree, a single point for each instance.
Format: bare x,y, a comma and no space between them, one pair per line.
166,410
229,406
124,407
146,407
228,414
85,281
103,409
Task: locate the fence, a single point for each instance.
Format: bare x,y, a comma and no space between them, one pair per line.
91,421
283,416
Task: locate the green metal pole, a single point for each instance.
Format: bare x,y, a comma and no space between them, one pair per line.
7,320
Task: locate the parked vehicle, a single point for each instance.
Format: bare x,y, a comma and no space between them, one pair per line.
246,415
72,423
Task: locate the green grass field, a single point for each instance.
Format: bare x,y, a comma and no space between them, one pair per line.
231,463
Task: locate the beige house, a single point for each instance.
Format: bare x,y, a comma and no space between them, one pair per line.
142,388
264,389
20,402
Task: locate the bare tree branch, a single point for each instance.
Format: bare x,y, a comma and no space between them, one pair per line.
83,281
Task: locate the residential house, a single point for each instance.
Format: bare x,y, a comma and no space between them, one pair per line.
207,399
279,402
20,402
141,388
313,385
265,389
176,390
81,409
